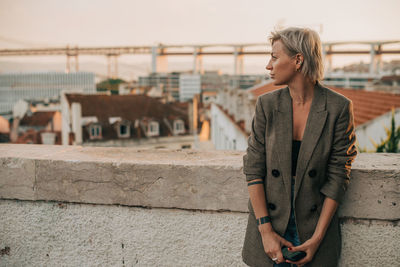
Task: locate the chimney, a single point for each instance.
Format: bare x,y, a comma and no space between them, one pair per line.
76,110
65,120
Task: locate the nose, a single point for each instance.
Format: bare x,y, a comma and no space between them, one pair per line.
269,65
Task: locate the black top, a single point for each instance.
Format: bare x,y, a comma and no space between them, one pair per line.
295,153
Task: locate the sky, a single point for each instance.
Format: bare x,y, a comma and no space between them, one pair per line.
41,23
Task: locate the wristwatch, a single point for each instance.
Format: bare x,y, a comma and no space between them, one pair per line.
262,220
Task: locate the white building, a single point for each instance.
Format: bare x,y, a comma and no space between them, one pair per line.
225,134
232,114
374,131
189,85
41,86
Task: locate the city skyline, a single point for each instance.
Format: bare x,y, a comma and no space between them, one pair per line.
119,22
45,23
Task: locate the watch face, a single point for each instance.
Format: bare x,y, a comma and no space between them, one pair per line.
293,256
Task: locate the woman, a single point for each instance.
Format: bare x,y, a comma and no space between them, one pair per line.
298,160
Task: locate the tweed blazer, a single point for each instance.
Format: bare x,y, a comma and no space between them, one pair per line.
323,168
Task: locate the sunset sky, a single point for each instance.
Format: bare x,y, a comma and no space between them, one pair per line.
39,23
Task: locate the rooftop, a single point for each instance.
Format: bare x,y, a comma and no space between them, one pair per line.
128,107
367,104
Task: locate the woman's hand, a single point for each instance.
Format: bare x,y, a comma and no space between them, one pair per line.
309,247
273,244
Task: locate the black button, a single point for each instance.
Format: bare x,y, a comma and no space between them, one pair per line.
313,208
312,173
275,173
271,206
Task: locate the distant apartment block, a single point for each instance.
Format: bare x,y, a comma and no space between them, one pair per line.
168,83
245,81
190,85
384,81
349,80
174,84
40,86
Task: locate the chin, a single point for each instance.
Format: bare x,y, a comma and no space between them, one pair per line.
277,82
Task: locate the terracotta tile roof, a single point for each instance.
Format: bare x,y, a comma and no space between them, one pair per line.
129,107
39,118
264,88
367,104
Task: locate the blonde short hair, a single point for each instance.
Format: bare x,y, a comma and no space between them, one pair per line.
306,42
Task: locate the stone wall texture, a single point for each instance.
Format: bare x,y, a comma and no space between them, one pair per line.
88,206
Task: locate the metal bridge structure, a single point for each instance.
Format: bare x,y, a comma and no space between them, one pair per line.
159,53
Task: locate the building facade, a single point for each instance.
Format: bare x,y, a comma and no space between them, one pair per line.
102,118
232,114
41,86
189,85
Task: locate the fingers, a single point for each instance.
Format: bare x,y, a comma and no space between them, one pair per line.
298,248
280,257
287,243
276,256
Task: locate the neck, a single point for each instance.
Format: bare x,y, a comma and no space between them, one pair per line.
301,90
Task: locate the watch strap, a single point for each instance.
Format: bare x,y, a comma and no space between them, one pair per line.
256,182
262,220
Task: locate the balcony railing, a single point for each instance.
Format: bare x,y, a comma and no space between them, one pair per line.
72,205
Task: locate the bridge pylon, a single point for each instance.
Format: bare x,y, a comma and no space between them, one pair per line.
158,59
112,66
72,53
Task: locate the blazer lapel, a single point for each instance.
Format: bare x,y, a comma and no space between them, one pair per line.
314,126
284,133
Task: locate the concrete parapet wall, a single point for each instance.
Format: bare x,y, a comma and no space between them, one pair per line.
181,207
42,233
163,178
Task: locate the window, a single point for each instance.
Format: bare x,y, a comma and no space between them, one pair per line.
95,131
179,126
124,130
153,128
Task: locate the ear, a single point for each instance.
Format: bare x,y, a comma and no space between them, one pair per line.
299,59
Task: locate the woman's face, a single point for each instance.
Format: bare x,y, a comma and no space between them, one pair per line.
282,67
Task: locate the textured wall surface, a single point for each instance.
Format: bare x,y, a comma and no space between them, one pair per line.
65,234
61,206
370,243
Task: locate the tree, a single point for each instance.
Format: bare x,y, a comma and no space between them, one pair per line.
391,143
109,85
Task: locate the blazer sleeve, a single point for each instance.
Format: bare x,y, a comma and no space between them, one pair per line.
254,164
343,153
